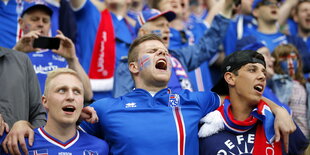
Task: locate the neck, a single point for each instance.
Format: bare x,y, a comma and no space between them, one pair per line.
240,108
119,11
150,87
267,27
197,9
303,32
60,131
177,24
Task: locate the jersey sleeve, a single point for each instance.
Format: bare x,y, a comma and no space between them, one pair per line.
95,129
208,101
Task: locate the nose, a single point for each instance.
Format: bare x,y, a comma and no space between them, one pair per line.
161,52
70,96
40,23
262,76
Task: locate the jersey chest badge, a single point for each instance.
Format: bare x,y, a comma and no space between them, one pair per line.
174,100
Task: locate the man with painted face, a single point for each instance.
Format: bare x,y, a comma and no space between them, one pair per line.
183,60
153,119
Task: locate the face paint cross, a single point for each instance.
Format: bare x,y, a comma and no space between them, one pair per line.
144,62
289,64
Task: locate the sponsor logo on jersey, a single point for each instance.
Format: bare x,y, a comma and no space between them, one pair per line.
131,105
64,153
89,152
38,152
39,69
58,57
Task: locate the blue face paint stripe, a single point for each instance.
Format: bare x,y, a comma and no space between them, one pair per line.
144,62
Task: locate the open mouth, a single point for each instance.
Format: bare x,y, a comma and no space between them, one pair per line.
259,88
161,64
274,12
165,38
68,108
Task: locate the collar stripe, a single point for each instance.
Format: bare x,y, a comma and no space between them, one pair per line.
56,142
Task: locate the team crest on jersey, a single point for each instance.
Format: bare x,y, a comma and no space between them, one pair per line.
174,100
89,152
38,152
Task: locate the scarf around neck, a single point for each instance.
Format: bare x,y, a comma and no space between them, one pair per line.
261,116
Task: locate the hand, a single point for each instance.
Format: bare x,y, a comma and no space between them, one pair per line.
283,126
66,47
25,44
89,114
3,126
19,131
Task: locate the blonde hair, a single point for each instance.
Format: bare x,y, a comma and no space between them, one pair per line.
52,74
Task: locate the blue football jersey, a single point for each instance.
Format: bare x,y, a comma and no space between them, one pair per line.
139,124
45,61
80,144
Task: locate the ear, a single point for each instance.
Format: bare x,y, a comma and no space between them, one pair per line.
133,67
142,32
295,17
255,12
20,22
230,78
44,102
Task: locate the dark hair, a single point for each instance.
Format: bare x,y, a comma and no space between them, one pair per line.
133,54
285,50
299,3
232,63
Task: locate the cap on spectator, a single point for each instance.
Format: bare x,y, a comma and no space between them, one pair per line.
249,43
152,14
235,61
257,2
36,5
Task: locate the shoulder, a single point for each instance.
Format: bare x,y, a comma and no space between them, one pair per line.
10,52
106,103
93,141
91,138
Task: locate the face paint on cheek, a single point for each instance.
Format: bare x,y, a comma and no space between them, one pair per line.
289,66
157,32
27,28
169,62
144,62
